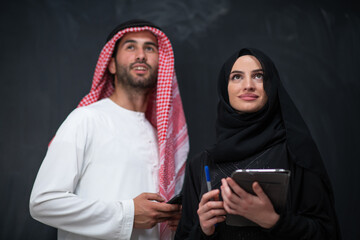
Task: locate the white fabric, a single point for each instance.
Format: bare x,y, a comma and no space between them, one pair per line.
101,158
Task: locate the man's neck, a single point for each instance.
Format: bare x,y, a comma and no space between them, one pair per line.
131,99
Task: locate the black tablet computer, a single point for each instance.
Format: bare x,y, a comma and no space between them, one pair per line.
274,182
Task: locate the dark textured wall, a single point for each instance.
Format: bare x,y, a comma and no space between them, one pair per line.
48,52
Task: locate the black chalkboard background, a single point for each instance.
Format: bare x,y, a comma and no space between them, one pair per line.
48,52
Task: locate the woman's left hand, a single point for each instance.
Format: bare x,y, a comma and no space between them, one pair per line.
258,209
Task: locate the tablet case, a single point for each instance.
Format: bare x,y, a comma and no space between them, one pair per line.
274,183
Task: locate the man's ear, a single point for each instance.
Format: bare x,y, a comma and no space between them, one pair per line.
112,67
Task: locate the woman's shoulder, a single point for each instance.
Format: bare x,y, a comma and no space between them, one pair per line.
198,159
196,164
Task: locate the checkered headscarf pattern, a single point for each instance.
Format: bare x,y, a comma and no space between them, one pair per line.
165,111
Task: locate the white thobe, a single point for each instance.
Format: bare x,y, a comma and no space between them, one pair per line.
101,158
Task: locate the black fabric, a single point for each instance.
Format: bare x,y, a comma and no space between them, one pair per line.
271,158
277,137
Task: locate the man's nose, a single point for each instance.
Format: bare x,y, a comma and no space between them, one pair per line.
140,55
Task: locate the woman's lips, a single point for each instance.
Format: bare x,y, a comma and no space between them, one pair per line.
248,96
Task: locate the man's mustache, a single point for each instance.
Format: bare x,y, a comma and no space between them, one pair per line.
142,62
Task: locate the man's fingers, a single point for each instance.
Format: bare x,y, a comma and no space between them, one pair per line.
162,219
164,216
171,208
177,217
151,209
173,222
153,196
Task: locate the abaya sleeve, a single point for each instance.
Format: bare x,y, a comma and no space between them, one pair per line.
189,225
310,213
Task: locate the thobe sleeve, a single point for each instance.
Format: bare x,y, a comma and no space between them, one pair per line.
53,200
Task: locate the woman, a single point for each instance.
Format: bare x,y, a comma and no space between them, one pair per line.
258,126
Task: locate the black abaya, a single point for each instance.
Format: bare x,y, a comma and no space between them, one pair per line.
274,137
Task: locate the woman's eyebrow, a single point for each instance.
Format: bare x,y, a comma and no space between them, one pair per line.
236,71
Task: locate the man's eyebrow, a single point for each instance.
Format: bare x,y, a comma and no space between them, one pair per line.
146,43
128,41
152,43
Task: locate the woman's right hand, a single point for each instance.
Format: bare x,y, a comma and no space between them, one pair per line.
211,211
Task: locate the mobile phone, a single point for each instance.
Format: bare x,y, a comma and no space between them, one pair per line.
177,199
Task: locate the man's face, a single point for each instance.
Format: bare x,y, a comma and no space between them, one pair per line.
136,61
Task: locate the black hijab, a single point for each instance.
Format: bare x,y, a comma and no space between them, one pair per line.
276,133
241,135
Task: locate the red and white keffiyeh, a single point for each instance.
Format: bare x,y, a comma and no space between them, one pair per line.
165,112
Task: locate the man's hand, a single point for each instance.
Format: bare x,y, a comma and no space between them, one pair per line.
258,209
150,209
211,211
174,221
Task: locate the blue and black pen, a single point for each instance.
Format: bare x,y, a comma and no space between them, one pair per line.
208,179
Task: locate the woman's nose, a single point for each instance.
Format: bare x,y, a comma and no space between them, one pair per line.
248,83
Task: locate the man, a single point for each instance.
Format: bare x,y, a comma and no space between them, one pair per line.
120,155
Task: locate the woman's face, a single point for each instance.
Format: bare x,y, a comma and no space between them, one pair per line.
245,87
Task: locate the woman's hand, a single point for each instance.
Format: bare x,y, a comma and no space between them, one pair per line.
258,209
211,211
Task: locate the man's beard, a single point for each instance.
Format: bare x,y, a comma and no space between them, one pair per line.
137,83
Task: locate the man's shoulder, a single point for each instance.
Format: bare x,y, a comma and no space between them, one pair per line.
83,118
94,108
100,105
91,111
